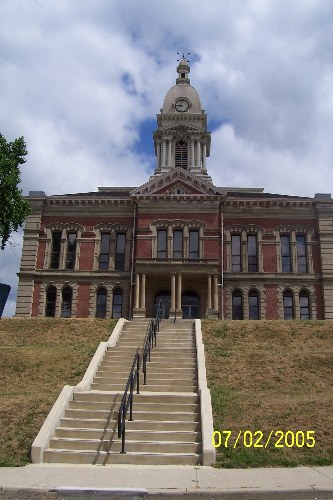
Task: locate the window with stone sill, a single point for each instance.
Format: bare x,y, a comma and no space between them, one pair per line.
104,256
66,303
71,250
55,250
101,301
120,252
254,311
117,303
51,300
304,305
237,305
288,305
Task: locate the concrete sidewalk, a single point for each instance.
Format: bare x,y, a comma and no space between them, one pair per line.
172,480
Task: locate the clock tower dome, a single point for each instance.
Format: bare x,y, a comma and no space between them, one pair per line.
181,139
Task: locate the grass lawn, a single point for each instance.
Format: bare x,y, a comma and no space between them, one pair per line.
37,358
271,375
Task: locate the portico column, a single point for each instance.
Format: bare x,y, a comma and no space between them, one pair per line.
215,296
179,292
173,291
137,290
198,154
143,292
209,292
192,153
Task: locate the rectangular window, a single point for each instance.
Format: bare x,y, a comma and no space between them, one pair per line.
55,251
236,258
161,244
194,244
71,250
178,244
301,254
120,252
252,253
285,253
104,255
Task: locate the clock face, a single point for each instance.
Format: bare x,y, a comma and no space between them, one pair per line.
182,105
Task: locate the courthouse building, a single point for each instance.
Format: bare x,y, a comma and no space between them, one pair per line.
200,249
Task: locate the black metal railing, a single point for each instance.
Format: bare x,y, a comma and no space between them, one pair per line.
127,399
150,340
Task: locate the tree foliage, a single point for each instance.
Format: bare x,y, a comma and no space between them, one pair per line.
13,208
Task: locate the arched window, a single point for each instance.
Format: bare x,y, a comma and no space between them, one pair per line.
51,298
181,154
117,303
304,304
101,297
66,304
237,305
254,305
288,305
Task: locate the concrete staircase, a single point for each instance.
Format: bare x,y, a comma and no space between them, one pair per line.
166,418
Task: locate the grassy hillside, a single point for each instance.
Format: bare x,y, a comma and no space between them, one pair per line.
37,358
271,375
263,376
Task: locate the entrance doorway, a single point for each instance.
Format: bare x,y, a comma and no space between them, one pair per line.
165,298
190,305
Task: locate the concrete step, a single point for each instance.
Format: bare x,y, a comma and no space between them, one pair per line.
149,387
135,425
138,398
105,458
115,379
153,406
165,372
137,415
72,433
131,446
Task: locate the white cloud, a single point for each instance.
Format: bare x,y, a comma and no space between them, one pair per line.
80,78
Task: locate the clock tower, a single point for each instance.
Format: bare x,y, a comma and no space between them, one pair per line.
181,139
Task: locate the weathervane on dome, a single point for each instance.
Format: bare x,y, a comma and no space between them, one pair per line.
183,56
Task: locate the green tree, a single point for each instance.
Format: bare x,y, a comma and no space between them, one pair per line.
13,208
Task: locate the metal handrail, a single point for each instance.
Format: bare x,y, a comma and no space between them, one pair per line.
150,340
127,399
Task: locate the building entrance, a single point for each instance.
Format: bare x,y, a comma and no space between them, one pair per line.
190,305
165,299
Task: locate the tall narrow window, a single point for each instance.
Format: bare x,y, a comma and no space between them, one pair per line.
120,252
253,304
237,305
66,305
304,305
301,254
236,257
55,250
288,305
285,253
252,257
117,303
51,298
194,244
104,255
181,154
71,250
162,244
178,244
101,297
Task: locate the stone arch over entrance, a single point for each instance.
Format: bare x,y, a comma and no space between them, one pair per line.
164,297
190,305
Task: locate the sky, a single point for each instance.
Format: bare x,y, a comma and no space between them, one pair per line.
83,80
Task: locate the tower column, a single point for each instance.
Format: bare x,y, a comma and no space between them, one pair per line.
198,154
192,153
204,152
169,152
164,153
158,155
